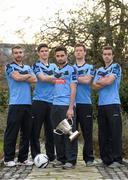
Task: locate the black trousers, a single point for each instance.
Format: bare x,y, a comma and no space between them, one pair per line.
41,114
19,118
110,133
84,118
66,151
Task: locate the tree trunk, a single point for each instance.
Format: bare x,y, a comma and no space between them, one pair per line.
109,39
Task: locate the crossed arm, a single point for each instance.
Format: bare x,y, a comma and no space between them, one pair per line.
48,79
103,81
23,77
85,79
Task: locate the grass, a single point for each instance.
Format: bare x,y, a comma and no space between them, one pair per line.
1,148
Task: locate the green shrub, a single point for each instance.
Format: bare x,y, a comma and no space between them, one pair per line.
124,94
3,98
1,147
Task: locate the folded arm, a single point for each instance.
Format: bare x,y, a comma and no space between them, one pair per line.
85,79
48,79
103,81
23,77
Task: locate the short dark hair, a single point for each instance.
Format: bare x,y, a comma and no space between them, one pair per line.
61,48
108,48
80,45
43,45
16,47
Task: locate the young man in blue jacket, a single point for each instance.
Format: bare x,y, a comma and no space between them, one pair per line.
107,82
42,103
84,116
64,107
19,77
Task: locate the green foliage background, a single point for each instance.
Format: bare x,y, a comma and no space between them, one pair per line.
107,23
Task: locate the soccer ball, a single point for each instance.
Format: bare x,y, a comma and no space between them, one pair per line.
41,160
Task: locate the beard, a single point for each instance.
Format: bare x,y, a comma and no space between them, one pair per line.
61,62
19,60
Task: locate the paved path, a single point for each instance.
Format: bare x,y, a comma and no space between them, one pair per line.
81,172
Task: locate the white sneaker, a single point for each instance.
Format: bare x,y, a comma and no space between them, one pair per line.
10,164
57,164
90,163
26,163
68,166
115,165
